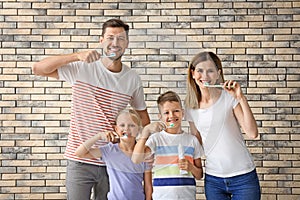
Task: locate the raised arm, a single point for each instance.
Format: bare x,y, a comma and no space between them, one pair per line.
141,151
85,150
144,116
242,111
48,66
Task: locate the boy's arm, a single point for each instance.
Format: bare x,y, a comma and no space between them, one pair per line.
148,185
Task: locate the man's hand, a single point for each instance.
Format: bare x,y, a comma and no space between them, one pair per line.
88,56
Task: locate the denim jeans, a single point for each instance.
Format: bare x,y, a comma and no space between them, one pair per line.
241,187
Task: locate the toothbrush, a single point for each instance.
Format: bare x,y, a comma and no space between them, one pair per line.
109,56
214,86
171,125
181,156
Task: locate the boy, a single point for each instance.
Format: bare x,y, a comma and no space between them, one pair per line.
168,180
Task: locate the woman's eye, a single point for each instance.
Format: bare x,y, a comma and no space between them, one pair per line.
199,70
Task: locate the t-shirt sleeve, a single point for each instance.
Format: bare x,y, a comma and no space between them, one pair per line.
151,143
105,151
187,115
69,72
138,99
199,151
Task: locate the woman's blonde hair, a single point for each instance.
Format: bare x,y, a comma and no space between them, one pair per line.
193,96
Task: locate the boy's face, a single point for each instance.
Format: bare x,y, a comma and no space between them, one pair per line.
171,112
115,41
126,126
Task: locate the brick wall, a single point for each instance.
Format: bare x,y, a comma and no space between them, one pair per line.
258,41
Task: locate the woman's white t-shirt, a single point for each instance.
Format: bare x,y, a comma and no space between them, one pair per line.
223,142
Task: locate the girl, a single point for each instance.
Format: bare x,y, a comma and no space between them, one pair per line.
215,110
126,178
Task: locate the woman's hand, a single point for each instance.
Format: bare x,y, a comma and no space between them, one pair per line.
234,89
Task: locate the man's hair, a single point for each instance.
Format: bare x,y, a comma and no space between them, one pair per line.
115,23
168,96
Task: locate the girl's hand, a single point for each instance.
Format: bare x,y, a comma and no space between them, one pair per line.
154,127
234,89
110,136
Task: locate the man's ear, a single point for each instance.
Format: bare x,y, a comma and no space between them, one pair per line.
101,39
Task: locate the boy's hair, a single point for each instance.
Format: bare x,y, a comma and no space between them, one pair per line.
168,96
134,116
115,23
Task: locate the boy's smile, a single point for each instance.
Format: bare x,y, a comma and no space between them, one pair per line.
171,113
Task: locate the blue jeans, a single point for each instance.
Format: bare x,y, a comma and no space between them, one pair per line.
242,187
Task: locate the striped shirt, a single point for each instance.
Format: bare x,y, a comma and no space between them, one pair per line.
97,96
168,182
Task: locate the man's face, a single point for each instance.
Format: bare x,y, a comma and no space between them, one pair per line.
114,41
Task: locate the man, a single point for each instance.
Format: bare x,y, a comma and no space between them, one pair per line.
101,86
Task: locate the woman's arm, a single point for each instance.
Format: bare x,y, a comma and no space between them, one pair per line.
245,118
242,111
195,132
148,185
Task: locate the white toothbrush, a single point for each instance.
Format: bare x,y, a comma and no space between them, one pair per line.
214,86
109,56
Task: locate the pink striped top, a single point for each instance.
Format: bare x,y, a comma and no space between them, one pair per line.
94,105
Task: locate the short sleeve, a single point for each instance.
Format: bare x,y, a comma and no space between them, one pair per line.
199,151
138,99
69,72
187,115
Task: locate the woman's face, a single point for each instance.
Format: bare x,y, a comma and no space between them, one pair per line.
205,72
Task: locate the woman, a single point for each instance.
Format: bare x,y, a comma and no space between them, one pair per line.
216,109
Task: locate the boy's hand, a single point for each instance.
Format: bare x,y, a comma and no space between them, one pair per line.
154,127
184,164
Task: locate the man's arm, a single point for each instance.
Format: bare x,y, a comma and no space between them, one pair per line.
48,66
144,116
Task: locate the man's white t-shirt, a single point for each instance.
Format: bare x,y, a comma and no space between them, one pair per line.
97,96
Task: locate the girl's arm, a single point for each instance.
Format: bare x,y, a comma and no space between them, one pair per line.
148,185
141,151
85,150
195,168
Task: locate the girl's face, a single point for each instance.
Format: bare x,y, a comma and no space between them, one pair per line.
206,72
127,126
171,112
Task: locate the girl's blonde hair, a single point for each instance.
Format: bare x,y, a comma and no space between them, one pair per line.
193,96
133,114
